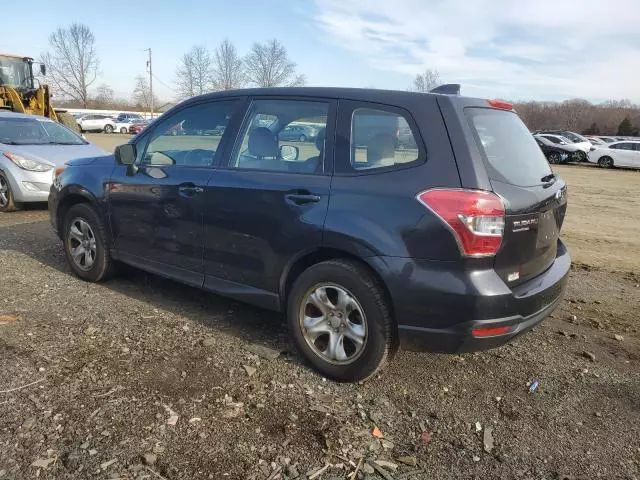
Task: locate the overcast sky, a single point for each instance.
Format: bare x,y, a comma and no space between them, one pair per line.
495,48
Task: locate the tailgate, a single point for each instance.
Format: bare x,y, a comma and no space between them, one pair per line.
535,199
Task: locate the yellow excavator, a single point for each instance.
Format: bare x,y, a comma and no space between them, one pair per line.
20,92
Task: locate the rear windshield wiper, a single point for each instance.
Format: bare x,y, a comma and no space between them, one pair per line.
548,178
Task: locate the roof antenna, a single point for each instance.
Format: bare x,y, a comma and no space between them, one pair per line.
447,89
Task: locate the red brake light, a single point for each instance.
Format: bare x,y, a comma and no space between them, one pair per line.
501,104
475,218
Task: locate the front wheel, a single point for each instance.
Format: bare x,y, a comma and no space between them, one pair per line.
580,156
124,130
7,203
302,138
341,321
85,244
605,162
108,129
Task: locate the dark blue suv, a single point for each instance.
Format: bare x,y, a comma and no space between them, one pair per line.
446,243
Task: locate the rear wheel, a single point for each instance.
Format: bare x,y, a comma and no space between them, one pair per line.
341,321
7,203
554,157
85,244
605,162
108,129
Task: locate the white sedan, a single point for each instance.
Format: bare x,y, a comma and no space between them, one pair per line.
123,125
617,154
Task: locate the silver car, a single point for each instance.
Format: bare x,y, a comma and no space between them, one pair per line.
31,148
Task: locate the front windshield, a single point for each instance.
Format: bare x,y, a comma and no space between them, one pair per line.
25,131
15,72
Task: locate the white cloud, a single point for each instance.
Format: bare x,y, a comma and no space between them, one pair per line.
513,49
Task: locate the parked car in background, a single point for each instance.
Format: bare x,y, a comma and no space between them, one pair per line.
585,146
576,151
300,133
451,246
137,127
122,126
133,117
617,154
596,141
31,148
607,139
97,123
553,151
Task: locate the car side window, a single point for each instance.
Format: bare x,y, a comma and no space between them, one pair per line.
381,138
189,137
270,142
553,139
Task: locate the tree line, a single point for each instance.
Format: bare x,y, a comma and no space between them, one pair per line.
73,68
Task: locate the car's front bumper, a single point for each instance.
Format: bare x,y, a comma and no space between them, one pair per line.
27,186
439,309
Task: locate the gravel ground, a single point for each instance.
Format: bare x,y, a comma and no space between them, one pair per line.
142,377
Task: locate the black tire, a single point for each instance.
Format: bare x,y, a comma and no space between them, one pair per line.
605,162
554,158
302,138
380,341
7,202
108,129
124,130
580,156
103,265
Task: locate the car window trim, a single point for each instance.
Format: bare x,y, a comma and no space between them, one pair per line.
343,166
144,139
328,161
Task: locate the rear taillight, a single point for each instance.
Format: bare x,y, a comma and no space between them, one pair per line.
475,218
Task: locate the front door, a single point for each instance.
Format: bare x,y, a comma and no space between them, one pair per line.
268,204
156,206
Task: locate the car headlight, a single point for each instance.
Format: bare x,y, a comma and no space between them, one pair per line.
27,163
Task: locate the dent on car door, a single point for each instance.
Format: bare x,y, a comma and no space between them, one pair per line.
268,204
156,206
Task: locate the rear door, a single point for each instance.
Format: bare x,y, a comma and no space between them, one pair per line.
268,204
535,198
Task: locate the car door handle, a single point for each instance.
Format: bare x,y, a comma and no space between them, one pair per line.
302,198
189,190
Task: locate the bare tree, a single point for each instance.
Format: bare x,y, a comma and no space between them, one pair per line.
104,95
426,81
193,76
268,65
228,70
72,61
142,94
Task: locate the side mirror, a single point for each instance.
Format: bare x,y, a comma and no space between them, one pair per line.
43,69
289,152
125,154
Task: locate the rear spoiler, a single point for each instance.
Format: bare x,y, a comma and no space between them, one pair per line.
447,89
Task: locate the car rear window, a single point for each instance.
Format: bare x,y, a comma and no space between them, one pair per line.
511,153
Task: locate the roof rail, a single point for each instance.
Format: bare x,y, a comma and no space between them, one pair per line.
447,89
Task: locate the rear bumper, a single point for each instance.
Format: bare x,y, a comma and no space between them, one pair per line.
437,307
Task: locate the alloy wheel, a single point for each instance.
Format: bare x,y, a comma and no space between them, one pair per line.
333,323
82,244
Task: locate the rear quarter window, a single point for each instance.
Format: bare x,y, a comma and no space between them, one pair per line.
510,152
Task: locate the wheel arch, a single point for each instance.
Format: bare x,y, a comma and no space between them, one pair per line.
309,258
73,195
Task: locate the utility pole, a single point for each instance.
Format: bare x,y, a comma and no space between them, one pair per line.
150,83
